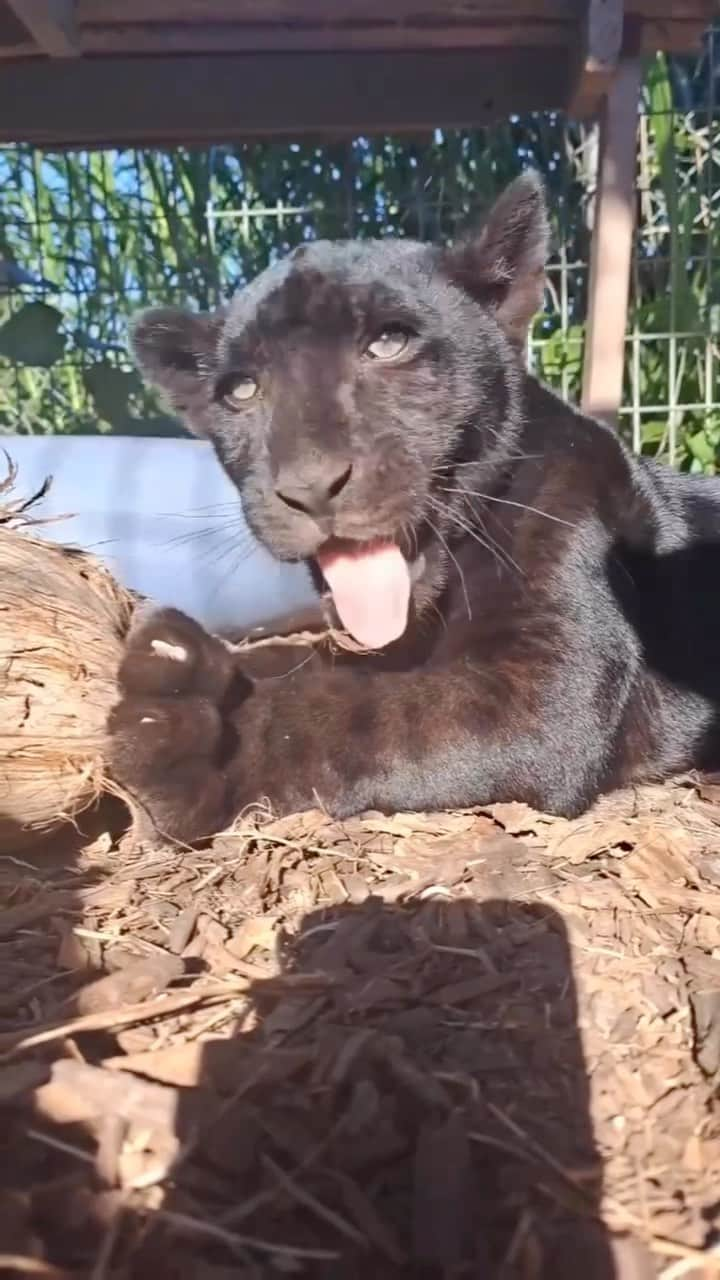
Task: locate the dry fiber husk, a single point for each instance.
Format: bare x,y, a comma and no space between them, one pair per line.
62,621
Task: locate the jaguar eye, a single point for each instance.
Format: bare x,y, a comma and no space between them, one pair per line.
238,392
388,345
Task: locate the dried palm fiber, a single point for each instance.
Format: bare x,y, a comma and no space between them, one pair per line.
62,621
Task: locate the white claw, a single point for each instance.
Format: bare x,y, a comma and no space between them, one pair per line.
175,652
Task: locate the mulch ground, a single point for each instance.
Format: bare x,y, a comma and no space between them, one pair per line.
476,1044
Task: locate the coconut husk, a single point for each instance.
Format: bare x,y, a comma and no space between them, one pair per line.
63,619
62,622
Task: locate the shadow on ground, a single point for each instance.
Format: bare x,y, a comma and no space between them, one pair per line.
407,1097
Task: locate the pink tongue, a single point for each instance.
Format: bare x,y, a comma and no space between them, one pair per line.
371,591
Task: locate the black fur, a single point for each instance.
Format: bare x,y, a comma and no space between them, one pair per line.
566,627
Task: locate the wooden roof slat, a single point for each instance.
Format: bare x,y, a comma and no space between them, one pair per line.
335,12
176,38
121,39
51,23
339,12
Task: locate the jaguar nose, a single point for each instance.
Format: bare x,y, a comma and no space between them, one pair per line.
313,487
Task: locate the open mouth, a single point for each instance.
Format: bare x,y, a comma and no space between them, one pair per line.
371,586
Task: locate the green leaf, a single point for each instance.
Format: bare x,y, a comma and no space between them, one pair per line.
562,353
682,205
653,315
701,448
652,431
31,336
111,389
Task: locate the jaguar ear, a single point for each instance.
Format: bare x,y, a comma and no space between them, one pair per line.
175,351
502,264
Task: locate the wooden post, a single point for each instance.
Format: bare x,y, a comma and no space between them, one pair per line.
611,248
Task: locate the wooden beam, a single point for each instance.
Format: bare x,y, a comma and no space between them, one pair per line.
672,37
339,12
237,37
611,247
51,24
333,12
597,56
121,39
191,27
201,100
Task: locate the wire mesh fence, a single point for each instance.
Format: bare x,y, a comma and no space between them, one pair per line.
87,238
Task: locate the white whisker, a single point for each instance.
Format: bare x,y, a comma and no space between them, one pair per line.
488,543
508,502
461,575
